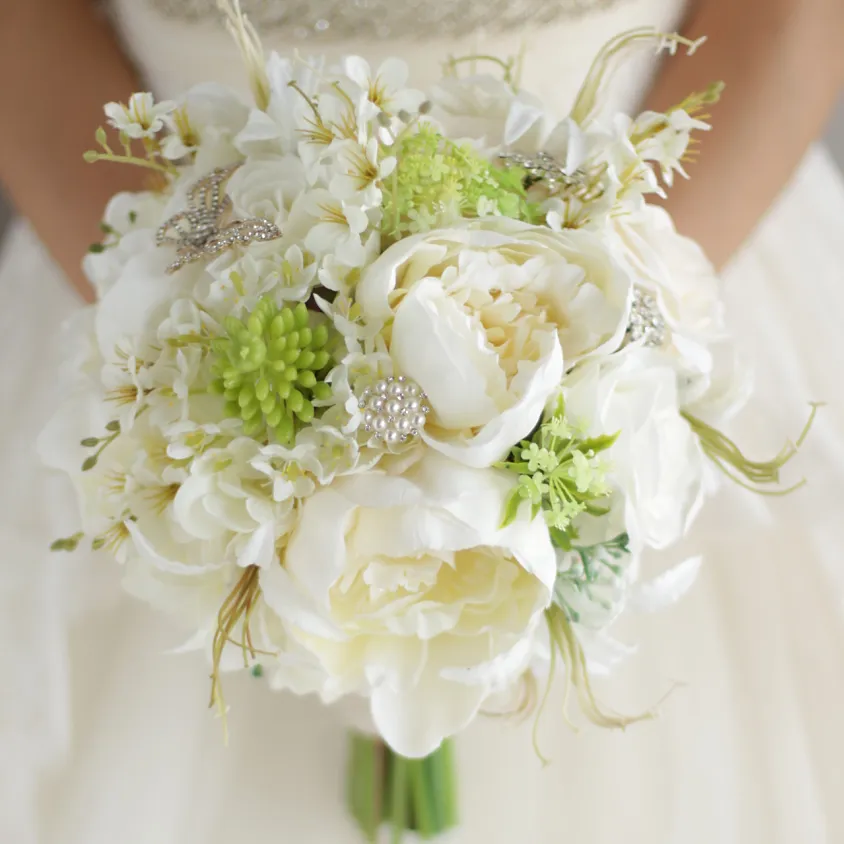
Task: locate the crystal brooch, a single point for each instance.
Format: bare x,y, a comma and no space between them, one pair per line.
200,232
646,324
543,167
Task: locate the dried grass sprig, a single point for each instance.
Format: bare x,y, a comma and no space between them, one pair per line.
235,611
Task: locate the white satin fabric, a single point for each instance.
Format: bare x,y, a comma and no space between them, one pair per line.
104,736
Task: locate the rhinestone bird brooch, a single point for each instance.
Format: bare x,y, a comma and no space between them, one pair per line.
200,232
543,167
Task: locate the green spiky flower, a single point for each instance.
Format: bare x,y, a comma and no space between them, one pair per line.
437,181
560,474
270,368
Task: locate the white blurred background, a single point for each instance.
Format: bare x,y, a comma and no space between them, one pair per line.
834,141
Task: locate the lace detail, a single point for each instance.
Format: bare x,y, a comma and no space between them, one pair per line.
324,20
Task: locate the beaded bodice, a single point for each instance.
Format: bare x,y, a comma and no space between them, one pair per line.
327,20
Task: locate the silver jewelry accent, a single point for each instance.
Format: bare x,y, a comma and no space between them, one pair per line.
646,323
198,232
394,409
543,167
334,20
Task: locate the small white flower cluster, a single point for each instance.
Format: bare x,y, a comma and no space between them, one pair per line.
323,488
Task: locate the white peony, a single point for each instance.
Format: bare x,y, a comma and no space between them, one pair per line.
482,318
657,461
403,589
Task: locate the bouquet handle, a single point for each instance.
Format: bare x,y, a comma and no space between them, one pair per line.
405,795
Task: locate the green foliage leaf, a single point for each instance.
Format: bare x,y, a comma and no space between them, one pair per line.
511,507
599,444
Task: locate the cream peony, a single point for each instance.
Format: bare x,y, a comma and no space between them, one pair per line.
403,589
483,317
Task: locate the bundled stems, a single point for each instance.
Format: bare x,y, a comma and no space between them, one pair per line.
384,788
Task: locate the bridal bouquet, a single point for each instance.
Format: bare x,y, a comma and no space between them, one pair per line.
386,392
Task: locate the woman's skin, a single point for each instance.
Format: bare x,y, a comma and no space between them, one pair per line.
59,63
782,60
783,65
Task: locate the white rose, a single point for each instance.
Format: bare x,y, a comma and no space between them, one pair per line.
266,187
657,461
189,579
132,219
404,590
676,268
134,307
486,109
688,292
482,318
226,499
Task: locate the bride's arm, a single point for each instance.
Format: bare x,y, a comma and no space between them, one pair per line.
783,62
59,62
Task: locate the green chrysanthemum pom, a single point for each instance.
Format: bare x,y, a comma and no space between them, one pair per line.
270,368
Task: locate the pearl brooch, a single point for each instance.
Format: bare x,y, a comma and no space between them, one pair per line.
394,409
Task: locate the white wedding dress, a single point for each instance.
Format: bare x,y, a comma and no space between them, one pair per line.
104,735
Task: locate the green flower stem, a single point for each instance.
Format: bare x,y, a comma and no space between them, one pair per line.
362,785
92,155
103,442
446,776
423,808
406,794
507,66
399,808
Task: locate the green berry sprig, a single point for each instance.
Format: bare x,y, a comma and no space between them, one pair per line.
270,368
